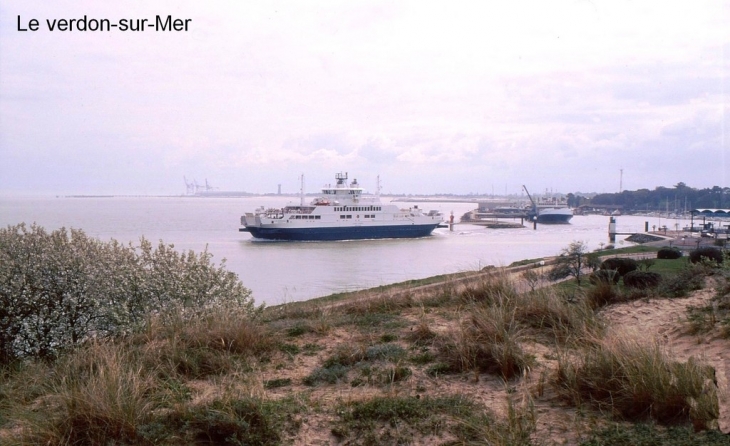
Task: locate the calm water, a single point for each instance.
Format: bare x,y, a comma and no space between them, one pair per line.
292,271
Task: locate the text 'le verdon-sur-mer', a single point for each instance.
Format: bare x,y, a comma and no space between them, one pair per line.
159,23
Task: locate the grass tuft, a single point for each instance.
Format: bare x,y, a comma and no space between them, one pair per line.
488,341
638,381
98,397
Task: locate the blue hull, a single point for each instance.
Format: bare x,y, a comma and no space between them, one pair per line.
554,219
348,233
550,218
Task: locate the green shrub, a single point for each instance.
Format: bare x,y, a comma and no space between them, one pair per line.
604,276
388,337
642,279
423,358
681,283
621,265
442,368
330,375
643,434
669,253
398,419
707,253
232,423
389,352
346,355
298,330
57,289
381,375
276,383
290,349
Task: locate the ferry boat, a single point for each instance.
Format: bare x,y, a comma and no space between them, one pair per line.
340,213
554,213
549,210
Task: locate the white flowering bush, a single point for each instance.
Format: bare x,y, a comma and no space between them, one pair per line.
62,288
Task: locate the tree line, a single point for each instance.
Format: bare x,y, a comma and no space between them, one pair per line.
673,199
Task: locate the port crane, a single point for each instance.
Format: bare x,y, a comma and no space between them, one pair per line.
534,205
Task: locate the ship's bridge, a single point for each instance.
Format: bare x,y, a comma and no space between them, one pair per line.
341,191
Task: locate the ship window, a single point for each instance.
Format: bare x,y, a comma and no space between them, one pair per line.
349,216
317,217
342,216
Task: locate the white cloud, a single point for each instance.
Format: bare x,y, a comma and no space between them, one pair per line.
540,90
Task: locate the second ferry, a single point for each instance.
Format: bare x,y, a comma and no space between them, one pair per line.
340,213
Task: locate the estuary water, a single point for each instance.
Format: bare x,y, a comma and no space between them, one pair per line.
279,272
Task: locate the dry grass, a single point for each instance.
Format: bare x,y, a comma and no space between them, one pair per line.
557,318
488,341
208,346
98,395
637,380
452,364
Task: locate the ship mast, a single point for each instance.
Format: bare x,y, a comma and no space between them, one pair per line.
301,191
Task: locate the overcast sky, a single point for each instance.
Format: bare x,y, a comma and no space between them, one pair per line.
435,97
